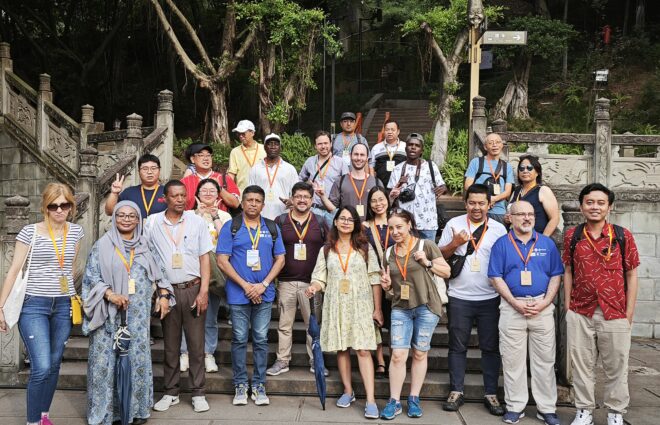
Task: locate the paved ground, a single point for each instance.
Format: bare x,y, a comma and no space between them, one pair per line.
69,406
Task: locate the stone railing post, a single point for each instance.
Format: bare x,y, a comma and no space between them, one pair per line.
86,183
602,155
134,144
17,215
44,94
165,118
479,124
5,64
87,121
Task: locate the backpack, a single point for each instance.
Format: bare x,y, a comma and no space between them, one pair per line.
280,221
236,222
619,236
439,208
490,181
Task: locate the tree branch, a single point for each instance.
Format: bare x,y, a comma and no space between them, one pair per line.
459,45
435,47
193,35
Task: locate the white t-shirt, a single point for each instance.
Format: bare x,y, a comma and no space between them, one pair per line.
469,285
283,181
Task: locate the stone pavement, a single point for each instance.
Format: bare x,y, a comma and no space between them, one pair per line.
69,406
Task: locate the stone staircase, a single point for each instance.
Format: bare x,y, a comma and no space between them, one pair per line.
412,116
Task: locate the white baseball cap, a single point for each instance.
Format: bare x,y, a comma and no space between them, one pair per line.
272,136
243,126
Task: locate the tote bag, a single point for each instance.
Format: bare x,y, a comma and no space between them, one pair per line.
14,302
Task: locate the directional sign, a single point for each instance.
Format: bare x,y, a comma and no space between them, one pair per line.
504,37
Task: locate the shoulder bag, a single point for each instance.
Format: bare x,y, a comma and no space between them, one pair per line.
14,302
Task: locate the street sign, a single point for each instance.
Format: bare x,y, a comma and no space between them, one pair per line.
504,37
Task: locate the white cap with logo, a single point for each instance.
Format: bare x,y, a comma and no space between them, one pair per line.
243,126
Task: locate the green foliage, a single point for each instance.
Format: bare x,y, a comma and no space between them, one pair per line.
456,161
296,148
546,38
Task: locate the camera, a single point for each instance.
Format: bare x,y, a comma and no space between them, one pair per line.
407,194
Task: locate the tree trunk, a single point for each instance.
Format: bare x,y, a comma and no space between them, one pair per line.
218,122
443,121
513,102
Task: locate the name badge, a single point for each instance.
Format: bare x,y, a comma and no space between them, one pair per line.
496,189
257,267
389,166
344,286
405,291
346,154
252,257
270,196
525,278
300,251
475,266
360,209
64,284
131,286
177,260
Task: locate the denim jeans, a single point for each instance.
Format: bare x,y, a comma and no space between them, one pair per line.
45,325
462,313
427,234
210,327
244,317
412,326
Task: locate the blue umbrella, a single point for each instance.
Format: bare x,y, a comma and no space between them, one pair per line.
319,364
122,341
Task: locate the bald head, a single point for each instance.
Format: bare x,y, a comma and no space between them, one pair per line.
493,145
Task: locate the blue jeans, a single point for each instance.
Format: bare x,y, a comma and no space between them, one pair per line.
412,326
462,314
45,325
210,327
244,317
427,234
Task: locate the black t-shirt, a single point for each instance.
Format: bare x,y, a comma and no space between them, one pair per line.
299,270
134,194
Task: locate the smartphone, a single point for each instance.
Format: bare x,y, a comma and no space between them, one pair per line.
194,311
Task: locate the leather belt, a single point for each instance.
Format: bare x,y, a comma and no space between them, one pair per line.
188,284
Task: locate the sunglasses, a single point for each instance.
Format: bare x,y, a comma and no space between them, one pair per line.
66,206
525,168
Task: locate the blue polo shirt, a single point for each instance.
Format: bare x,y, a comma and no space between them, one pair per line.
237,248
544,263
134,194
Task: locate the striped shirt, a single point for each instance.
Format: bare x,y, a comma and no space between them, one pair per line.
45,272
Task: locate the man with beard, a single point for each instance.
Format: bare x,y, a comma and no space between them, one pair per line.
525,268
275,176
201,156
386,155
303,233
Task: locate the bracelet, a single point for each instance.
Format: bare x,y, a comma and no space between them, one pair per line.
168,296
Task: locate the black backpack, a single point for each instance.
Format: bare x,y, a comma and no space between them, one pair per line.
619,236
490,181
280,221
236,222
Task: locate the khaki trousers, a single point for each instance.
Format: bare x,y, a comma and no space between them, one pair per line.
289,296
180,317
589,338
517,333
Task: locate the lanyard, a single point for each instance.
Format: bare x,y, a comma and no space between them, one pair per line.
147,208
364,185
346,144
127,264
404,269
521,194
529,253
301,236
271,181
609,247
60,257
179,234
344,267
492,172
253,239
387,149
254,157
387,236
481,239
318,168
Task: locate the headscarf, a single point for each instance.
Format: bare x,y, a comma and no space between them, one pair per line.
113,271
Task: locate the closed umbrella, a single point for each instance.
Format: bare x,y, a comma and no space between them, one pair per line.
122,341
319,364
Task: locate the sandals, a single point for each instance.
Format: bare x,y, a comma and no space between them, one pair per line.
383,374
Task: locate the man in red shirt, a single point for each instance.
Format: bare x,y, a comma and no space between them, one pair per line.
600,289
201,156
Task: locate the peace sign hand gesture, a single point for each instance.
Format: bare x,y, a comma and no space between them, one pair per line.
117,185
385,279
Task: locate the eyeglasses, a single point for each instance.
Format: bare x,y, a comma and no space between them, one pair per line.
203,155
122,216
521,214
208,192
346,219
302,197
522,168
149,169
493,142
66,206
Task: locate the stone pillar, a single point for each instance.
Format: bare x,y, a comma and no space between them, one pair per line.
5,64
87,114
45,90
44,94
5,57
165,118
89,219
602,154
87,127
17,215
133,145
499,126
627,151
479,123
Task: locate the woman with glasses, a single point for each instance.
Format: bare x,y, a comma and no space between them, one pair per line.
532,190
347,271
207,206
416,307
118,282
375,227
45,319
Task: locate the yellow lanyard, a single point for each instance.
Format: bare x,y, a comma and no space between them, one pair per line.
147,208
127,264
60,257
254,239
301,236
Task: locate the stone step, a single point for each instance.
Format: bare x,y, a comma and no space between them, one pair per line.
298,381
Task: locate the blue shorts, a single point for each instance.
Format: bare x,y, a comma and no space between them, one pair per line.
414,326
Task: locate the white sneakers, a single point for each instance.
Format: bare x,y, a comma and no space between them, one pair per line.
614,419
209,363
184,364
166,402
200,404
583,417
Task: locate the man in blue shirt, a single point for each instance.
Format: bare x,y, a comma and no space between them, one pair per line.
251,254
525,268
495,173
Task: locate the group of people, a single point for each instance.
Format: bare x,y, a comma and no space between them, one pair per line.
351,237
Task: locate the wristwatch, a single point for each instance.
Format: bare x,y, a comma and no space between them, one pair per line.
266,284
429,265
168,296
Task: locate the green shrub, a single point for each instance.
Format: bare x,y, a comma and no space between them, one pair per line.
456,162
220,152
296,148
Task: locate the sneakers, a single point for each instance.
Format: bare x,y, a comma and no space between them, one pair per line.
614,418
454,401
371,411
200,404
280,366
513,417
583,417
259,395
548,418
414,409
240,395
184,364
166,402
209,363
391,410
312,370
493,405
345,400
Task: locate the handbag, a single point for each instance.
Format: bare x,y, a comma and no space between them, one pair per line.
76,310
14,302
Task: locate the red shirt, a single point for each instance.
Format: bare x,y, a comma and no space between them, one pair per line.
193,180
597,281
